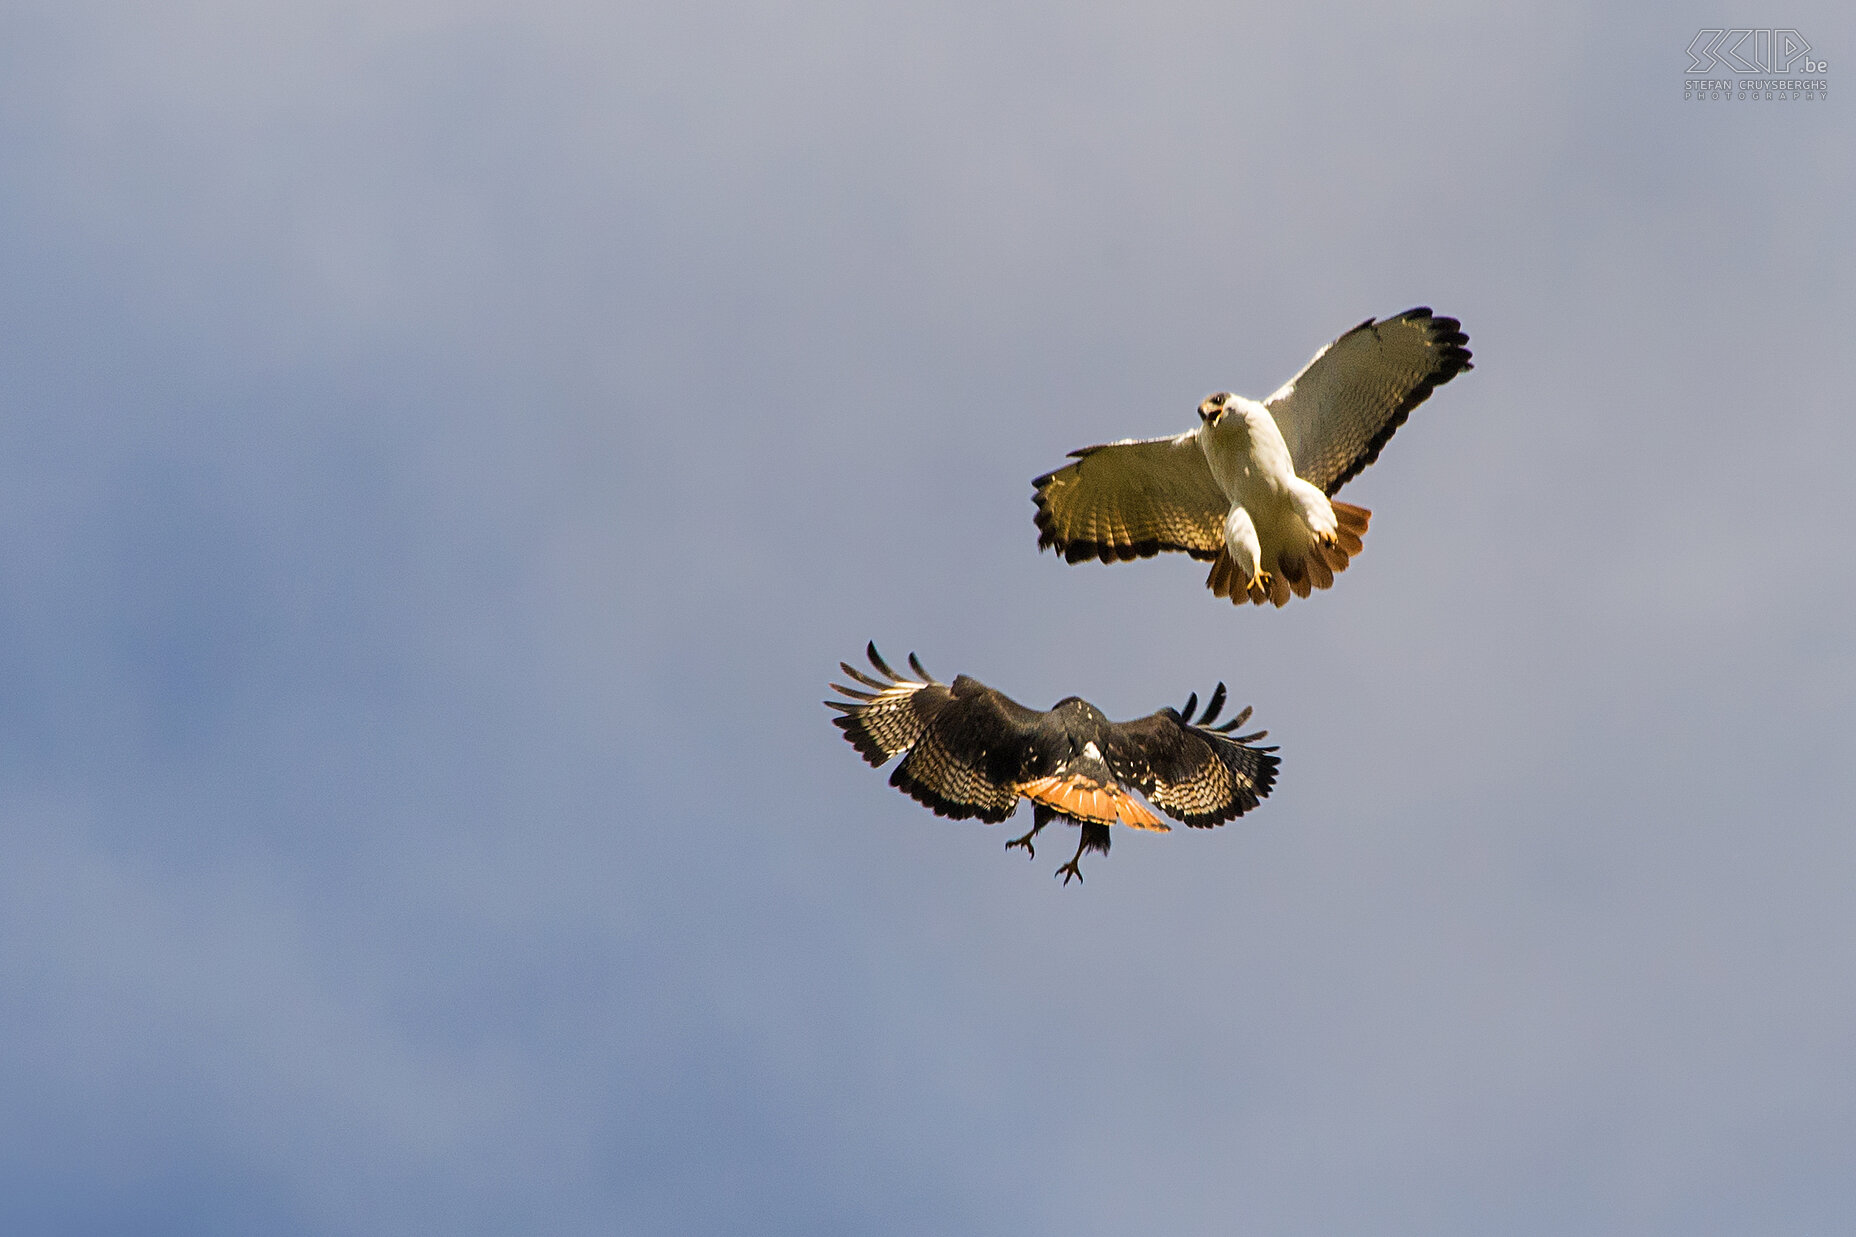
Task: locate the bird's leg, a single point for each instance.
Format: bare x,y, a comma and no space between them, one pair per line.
1030,850
1245,549
1040,818
1316,512
1071,868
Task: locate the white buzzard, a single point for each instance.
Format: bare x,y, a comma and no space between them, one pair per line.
1251,487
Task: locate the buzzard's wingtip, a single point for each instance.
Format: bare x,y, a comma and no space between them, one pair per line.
1215,705
876,659
1236,720
863,676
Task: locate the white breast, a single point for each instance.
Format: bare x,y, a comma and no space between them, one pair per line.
1247,454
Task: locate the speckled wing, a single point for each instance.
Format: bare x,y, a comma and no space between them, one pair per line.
963,746
1348,401
1195,772
1132,499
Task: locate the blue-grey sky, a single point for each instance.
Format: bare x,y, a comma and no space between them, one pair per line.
446,448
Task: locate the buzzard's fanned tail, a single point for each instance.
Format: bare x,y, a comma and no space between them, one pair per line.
1083,799
1225,580
1349,538
1289,574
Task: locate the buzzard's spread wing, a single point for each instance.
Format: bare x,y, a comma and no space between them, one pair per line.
965,744
1193,771
1132,499
968,750
1347,402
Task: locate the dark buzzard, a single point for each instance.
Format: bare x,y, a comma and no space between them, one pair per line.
971,751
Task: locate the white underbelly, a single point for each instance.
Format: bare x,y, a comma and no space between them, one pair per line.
1254,470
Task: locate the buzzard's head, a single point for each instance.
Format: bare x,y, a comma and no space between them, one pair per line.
1214,406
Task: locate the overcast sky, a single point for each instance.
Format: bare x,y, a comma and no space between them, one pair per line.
445,450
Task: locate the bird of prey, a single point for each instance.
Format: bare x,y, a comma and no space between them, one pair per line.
1251,488
971,751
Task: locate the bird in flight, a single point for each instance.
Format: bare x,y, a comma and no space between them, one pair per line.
971,751
1251,488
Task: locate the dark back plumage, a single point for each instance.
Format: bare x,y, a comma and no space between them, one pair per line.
970,751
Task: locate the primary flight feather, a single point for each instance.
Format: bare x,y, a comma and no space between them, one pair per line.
1251,487
971,751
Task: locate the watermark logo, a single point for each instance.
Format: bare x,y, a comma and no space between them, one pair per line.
1778,64
1751,51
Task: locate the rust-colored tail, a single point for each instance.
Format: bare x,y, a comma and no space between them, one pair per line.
1295,574
1085,799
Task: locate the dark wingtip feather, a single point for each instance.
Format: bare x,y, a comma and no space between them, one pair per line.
1192,702
1214,706
917,666
1234,722
863,676
1447,337
876,659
